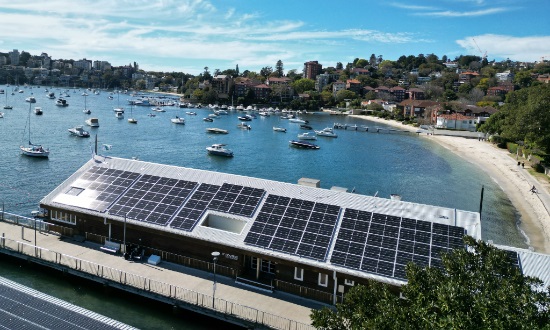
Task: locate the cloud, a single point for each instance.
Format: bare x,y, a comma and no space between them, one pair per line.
529,48
411,7
449,13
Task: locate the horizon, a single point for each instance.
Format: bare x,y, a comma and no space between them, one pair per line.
187,36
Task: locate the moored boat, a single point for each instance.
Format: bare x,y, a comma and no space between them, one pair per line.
303,144
328,132
216,130
38,111
307,136
279,129
243,126
79,131
92,122
178,120
219,150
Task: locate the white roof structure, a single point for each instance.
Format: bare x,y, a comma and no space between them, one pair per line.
76,194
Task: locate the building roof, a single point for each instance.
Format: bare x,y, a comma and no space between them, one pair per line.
532,263
77,194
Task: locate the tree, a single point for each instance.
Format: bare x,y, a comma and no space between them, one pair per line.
266,71
361,63
523,79
372,60
476,288
303,85
339,66
279,68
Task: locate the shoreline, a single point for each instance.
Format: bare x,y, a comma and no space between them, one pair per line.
515,181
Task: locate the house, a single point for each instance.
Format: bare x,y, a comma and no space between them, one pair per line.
397,93
456,121
338,86
354,85
261,91
312,242
416,94
466,76
382,92
497,91
415,108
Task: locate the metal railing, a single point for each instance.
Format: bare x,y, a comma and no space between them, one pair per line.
303,291
32,222
144,284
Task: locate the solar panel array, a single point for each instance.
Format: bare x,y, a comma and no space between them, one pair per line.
227,198
384,244
104,185
513,257
294,226
153,199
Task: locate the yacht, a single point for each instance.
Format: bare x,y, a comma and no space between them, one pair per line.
307,136
92,122
245,118
298,120
217,130
243,126
219,150
38,111
158,109
51,95
178,120
303,144
30,99
79,131
61,102
191,113
329,132
279,129
208,119
119,114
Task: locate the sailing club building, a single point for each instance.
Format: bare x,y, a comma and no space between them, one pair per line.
305,240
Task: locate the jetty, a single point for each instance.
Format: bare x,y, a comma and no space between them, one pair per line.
182,287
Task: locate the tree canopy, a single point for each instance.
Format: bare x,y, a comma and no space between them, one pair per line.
477,288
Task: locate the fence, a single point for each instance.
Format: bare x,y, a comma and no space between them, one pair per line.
303,291
147,285
36,223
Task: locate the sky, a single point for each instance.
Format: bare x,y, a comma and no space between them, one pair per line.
189,35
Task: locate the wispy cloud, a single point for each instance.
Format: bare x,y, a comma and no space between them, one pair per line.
411,7
468,8
449,13
529,48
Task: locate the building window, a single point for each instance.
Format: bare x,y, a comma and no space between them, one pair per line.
298,273
323,279
64,217
349,282
267,266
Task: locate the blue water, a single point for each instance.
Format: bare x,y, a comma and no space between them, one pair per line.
369,163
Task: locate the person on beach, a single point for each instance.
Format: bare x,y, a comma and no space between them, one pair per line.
534,190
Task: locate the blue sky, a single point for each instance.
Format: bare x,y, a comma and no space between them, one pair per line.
188,35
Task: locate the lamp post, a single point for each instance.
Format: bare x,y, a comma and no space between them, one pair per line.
215,256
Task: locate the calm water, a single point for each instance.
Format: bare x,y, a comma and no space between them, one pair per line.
368,163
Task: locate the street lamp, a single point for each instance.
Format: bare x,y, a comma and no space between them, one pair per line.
215,256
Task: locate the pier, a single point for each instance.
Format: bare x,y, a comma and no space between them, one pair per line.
30,239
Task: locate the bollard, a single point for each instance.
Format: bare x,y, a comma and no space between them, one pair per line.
22,232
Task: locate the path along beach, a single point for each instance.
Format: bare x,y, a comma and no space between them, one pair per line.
514,180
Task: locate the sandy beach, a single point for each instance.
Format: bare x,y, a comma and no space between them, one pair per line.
514,180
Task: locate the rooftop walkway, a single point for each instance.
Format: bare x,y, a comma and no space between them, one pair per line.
182,286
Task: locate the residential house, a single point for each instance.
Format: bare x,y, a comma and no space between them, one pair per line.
356,72
415,108
354,85
338,86
544,78
497,91
382,92
505,76
221,84
397,93
324,79
261,91
466,76
416,94
456,121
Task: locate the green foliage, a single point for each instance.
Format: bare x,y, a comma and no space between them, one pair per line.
303,85
478,288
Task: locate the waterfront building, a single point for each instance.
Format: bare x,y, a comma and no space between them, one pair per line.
312,69
14,57
304,240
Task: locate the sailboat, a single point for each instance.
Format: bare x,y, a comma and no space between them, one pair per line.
118,108
132,120
33,150
7,107
86,110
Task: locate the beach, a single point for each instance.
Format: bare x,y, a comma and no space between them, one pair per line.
503,169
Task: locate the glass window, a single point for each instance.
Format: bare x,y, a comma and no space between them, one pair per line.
298,273
323,279
349,282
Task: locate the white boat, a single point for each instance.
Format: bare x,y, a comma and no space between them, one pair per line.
243,126
216,130
30,99
307,136
38,111
119,114
279,129
92,122
61,102
79,131
33,150
219,150
178,120
221,112
245,118
298,120
1,115
208,119
191,113
118,107
132,120
86,110
329,132
51,95
263,113
158,109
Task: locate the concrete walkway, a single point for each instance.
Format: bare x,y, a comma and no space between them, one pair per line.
279,304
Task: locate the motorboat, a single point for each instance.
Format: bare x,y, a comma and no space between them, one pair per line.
305,126
132,120
51,95
79,131
178,120
216,130
245,118
221,112
87,111
303,144
33,150
61,102
38,111
1,115
298,120
219,150
30,99
119,114
92,122
208,119
328,132
307,136
279,129
191,113
158,109
151,115
263,113
243,126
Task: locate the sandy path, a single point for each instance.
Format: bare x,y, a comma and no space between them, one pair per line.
514,180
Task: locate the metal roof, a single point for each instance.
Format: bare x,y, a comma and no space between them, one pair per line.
435,214
532,263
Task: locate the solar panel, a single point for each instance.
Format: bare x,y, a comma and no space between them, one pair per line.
97,188
296,226
384,244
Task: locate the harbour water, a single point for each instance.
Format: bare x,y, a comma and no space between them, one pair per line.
364,162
